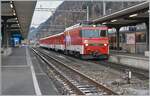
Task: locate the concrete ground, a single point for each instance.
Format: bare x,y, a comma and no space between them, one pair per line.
21,77
45,84
132,60
114,52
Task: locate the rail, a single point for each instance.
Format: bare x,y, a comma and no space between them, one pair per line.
80,83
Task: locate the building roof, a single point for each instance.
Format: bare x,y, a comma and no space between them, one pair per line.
20,13
129,16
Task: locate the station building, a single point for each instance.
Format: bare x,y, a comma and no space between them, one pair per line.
132,39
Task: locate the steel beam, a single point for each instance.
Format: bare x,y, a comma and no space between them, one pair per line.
4,38
137,18
117,38
14,28
10,23
5,1
147,35
122,25
8,17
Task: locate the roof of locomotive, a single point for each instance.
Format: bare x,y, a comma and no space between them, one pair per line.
87,26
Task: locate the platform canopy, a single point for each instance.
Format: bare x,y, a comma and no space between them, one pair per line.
127,17
18,14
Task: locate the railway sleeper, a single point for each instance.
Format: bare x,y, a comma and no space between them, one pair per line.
86,86
89,91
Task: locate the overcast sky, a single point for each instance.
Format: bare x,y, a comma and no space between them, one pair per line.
41,16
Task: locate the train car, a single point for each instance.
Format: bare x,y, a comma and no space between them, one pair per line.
83,41
87,41
58,42
43,42
54,42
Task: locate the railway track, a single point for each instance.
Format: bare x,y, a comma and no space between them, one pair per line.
79,83
139,73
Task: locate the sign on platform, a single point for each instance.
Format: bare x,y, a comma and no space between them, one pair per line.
131,38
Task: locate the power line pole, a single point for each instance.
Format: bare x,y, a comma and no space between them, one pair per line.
104,7
87,14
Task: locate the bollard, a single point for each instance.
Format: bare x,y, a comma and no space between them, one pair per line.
128,76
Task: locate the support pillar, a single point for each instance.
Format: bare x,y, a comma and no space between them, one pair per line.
5,35
117,38
2,33
8,35
147,35
4,39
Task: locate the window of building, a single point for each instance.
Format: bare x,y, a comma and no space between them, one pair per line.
140,37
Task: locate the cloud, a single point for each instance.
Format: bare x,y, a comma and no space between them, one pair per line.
42,15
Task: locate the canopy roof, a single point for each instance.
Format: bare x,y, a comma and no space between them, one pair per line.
18,14
129,16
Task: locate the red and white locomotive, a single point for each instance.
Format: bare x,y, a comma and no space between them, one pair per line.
84,41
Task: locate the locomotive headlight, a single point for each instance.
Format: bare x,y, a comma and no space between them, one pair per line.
85,41
105,44
86,44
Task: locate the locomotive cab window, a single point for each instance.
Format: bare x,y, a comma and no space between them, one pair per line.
93,33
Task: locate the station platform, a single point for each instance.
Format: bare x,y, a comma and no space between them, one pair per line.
134,60
22,76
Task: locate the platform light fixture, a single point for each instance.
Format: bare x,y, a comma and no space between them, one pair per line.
104,23
113,20
16,19
14,11
14,14
133,15
18,24
94,25
11,5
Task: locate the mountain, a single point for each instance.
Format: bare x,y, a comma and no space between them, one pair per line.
73,12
